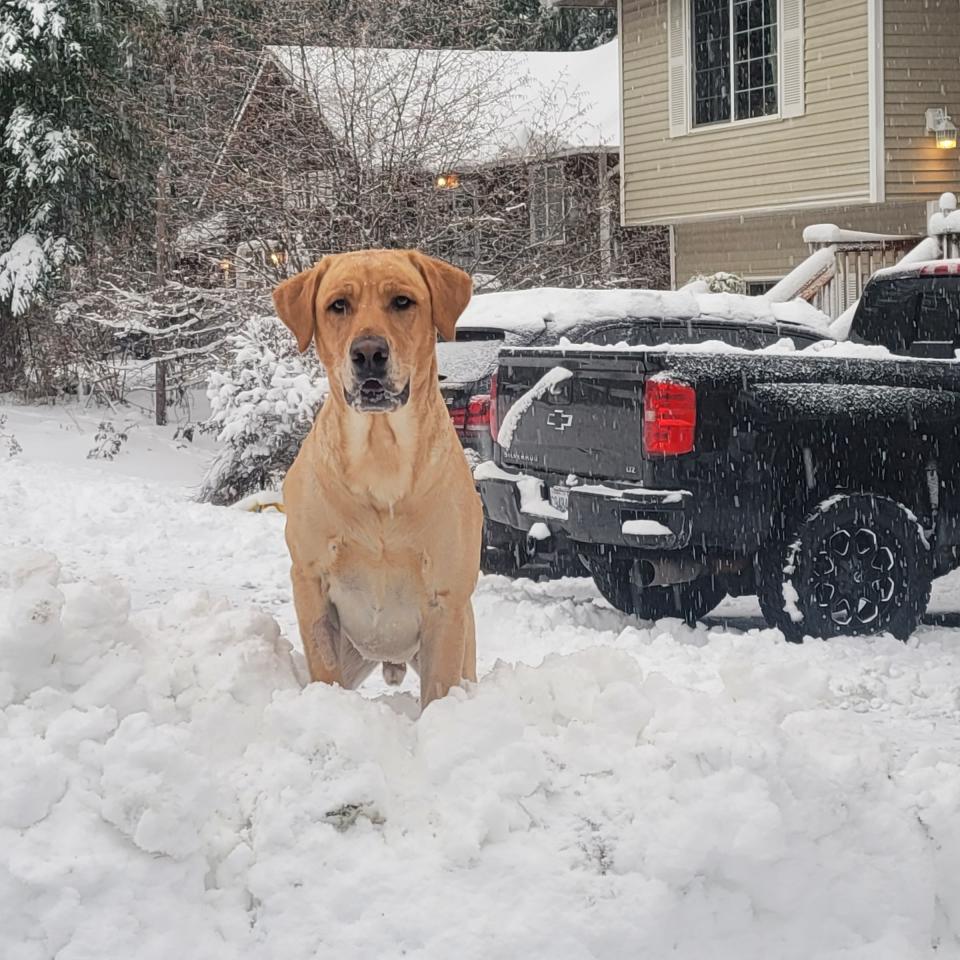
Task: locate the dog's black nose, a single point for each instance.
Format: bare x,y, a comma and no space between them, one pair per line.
369,356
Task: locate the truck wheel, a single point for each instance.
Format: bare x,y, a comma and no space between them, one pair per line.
688,601
858,564
504,550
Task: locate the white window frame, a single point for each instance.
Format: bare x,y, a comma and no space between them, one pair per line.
542,169
732,96
680,68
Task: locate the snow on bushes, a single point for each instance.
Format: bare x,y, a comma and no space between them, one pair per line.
264,398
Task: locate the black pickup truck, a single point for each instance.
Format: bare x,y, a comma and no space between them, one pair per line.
825,480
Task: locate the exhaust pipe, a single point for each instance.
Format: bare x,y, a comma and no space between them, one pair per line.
666,571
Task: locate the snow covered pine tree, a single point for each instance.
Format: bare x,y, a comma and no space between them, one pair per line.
63,142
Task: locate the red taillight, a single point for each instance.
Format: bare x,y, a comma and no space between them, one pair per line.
941,269
459,417
478,414
494,419
669,417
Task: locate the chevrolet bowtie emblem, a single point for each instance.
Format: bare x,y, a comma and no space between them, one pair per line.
559,420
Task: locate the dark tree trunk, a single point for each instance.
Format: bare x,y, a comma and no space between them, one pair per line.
161,392
11,351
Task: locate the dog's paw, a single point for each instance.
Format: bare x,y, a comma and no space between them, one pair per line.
393,673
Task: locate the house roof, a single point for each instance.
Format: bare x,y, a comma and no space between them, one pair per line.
472,106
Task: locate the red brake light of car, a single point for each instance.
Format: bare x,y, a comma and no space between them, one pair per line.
478,413
494,420
459,417
669,417
941,269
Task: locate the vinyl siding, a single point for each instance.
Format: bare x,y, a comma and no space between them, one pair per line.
811,160
921,70
770,246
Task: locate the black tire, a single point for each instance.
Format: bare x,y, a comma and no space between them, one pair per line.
858,564
503,551
687,601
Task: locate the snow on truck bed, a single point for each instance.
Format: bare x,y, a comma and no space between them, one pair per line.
611,788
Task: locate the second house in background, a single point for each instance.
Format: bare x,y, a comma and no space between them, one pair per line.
505,163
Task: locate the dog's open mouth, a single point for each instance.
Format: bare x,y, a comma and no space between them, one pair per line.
373,396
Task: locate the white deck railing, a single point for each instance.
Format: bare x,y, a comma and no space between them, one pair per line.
841,261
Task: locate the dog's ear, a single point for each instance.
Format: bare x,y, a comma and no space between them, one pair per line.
294,300
450,290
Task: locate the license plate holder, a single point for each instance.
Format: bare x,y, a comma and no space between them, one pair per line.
560,497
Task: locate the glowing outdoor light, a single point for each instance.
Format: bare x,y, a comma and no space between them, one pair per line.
942,127
448,181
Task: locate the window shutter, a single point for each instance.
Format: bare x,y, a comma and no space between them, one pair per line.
792,93
677,55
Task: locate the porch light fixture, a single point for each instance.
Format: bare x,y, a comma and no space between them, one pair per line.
942,127
278,257
447,181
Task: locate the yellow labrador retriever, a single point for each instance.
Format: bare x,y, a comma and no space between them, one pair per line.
383,521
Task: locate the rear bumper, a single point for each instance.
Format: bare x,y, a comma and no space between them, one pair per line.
616,515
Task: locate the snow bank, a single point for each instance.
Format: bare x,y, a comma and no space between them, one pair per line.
611,788
169,790
528,312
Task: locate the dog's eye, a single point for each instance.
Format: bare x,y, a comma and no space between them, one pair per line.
402,303
338,306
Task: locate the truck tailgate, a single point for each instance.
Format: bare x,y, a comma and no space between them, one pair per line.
587,421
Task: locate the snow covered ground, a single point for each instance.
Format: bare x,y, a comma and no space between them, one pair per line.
609,789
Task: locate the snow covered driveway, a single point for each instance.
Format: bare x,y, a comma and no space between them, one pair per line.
610,789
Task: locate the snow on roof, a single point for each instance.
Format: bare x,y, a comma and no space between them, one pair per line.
530,311
476,105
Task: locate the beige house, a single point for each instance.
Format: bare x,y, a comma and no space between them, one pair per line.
746,120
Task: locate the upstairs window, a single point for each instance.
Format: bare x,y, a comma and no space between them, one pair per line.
734,60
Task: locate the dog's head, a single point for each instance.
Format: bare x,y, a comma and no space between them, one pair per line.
374,315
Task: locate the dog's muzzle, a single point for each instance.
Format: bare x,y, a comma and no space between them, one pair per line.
375,396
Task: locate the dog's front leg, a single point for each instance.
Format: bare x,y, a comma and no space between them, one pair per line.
319,629
447,653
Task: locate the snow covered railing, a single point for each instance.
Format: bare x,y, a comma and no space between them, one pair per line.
927,249
944,226
856,257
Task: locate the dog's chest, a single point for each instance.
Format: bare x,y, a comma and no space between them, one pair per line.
378,601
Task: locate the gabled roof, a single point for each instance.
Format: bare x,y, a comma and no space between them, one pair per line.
514,101
461,107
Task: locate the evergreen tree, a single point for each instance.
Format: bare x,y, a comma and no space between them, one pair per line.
72,160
